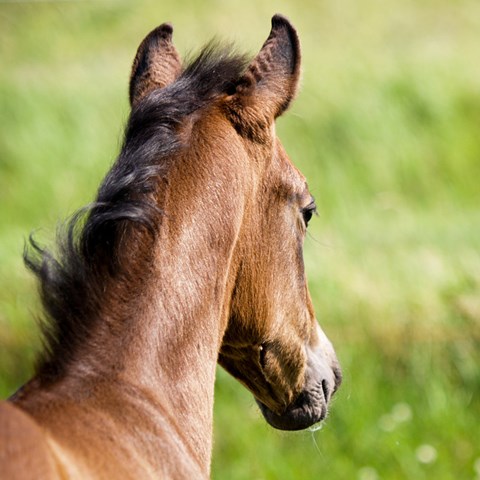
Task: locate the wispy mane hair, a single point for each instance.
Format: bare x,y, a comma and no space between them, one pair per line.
89,254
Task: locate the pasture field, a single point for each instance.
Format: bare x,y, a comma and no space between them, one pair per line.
387,131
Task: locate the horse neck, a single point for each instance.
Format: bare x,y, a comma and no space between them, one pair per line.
174,342
167,348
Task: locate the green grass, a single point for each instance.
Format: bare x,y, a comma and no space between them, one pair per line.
386,129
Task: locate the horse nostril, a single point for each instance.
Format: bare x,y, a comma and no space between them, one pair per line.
325,390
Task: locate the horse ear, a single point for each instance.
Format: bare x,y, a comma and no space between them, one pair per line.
271,80
156,64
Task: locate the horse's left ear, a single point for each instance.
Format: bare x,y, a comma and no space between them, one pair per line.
270,82
156,64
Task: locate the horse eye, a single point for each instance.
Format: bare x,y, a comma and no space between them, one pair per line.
308,212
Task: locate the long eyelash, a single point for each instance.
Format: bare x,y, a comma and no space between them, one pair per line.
308,212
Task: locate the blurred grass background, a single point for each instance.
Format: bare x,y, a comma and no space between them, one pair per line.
387,130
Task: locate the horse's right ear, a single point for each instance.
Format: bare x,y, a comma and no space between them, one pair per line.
268,86
156,64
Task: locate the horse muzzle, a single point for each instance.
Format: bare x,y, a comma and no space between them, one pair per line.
310,407
322,379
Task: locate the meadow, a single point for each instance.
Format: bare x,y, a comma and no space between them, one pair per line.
387,130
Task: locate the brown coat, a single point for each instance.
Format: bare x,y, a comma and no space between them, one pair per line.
192,253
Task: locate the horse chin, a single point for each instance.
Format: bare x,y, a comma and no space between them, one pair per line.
309,408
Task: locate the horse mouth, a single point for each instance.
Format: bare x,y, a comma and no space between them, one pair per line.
309,408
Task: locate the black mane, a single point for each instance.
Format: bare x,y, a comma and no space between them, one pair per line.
89,253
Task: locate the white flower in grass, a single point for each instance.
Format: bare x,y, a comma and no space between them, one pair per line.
476,467
426,453
402,412
367,473
387,423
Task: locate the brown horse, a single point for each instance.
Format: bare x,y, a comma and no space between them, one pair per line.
192,253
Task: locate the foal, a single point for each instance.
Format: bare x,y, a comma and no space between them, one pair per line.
191,253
